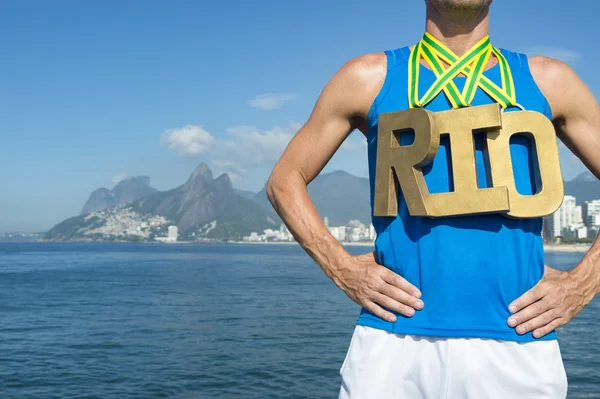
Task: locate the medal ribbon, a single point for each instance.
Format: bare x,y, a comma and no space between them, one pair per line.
471,64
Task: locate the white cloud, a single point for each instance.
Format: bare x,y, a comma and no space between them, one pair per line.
229,167
119,178
270,101
190,140
357,143
563,54
251,146
242,148
248,153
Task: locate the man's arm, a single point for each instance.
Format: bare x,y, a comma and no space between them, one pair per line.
341,107
560,296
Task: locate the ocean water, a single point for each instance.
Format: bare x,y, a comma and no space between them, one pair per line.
195,321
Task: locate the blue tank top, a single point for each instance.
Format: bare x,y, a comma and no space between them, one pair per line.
468,268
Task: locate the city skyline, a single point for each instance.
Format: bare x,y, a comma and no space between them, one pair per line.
353,231
573,221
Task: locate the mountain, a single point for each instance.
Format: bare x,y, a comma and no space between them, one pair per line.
342,197
210,208
126,191
245,194
203,207
200,200
338,195
584,187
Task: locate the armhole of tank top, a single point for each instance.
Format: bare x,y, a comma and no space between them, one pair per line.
391,63
524,61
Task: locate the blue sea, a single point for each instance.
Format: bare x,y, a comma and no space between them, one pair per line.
195,321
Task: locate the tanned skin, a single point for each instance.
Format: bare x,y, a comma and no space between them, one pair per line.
342,107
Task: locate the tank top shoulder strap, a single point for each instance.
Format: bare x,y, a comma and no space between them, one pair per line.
524,81
397,57
397,61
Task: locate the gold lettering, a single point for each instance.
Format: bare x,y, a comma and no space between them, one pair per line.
403,164
548,174
467,198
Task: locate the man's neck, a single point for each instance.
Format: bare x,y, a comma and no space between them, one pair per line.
459,30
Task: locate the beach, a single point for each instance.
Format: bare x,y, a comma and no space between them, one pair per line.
567,248
547,247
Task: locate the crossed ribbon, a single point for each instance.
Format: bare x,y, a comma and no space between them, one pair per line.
471,64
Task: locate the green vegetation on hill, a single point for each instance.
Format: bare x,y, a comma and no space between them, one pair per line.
71,228
164,203
239,219
338,195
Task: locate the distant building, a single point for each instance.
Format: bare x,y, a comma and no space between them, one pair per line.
591,210
173,233
578,215
339,233
559,224
254,237
593,231
355,223
356,234
270,235
568,211
552,226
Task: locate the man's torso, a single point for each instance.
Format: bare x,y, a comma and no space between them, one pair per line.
469,268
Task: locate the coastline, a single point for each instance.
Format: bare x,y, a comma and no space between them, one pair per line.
547,247
567,247
355,244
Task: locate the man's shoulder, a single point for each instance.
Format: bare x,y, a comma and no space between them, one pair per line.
358,81
369,60
365,68
554,78
548,71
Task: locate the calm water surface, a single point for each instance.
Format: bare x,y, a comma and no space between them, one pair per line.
195,321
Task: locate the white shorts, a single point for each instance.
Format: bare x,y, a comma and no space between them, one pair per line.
382,365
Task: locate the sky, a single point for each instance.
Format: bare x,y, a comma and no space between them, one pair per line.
94,91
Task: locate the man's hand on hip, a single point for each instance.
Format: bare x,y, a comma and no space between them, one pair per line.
376,287
553,302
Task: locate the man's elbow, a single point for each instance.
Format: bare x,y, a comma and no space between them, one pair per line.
270,189
278,184
275,184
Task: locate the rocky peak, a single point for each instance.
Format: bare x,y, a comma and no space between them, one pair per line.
124,192
141,180
203,173
199,179
197,184
585,177
223,188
